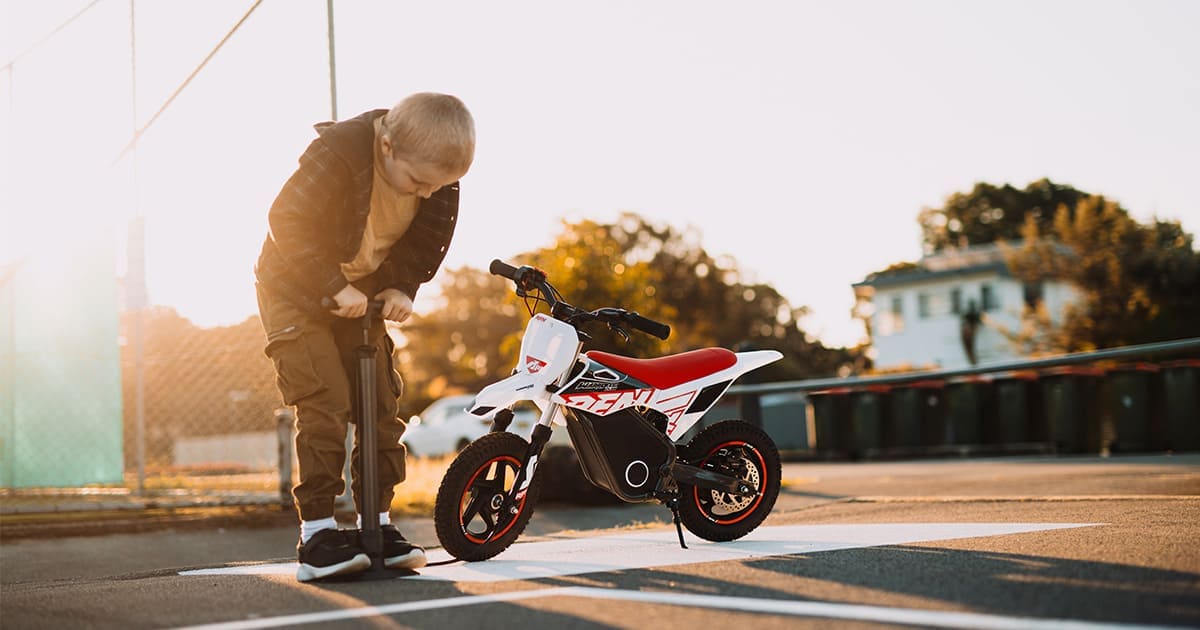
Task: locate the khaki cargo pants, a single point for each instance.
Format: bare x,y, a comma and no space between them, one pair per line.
316,368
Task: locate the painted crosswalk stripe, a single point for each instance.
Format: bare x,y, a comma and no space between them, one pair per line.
656,548
824,610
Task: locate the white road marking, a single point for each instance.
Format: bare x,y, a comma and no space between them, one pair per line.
655,548
882,614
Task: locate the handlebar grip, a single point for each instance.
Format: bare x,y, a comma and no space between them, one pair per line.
374,307
501,268
649,326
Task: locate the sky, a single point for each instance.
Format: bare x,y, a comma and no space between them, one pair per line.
800,138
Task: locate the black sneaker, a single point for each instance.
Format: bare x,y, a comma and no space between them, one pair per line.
329,553
399,553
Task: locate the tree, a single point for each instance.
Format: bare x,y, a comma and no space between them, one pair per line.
667,275
460,345
473,336
989,213
1137,283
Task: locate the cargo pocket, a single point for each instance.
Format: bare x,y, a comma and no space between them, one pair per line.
393,375
295,375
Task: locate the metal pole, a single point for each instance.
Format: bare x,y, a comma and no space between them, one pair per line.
1125,352
10,286
344,500
137,270
332,62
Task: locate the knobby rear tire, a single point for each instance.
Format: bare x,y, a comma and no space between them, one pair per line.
488,466
736,448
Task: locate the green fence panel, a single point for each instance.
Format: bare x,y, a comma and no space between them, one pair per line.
61,423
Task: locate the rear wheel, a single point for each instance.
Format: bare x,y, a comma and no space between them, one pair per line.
740,450
467,512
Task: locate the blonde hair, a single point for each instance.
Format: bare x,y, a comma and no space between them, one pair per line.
433,129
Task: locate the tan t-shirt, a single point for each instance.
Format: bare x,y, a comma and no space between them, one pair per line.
391,214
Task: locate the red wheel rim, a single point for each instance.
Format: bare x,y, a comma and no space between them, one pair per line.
762,484
466,496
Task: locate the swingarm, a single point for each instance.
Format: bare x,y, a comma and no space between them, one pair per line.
710,480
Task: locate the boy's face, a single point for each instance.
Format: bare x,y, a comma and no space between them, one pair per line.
414,178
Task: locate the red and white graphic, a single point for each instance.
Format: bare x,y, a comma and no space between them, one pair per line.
533,365
675,406
604,403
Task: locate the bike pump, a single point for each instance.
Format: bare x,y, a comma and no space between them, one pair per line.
368,458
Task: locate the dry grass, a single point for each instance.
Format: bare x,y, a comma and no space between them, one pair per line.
419,490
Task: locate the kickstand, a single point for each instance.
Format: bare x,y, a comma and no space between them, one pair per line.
674,505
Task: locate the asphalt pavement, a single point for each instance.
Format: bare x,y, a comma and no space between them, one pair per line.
1014,542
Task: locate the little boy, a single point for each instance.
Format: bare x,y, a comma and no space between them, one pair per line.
368,215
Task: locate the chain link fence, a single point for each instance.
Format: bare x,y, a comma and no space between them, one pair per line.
210,399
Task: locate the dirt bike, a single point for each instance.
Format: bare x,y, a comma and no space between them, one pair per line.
624,417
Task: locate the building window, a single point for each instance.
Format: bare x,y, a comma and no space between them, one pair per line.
923,306
897,314
956,301
1033,294
987,296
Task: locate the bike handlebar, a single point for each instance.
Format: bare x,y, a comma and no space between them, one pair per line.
649,326
503,269
528,278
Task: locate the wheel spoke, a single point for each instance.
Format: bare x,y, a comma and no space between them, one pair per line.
486,515
485,487
470,511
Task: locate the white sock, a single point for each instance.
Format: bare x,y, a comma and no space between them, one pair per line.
384,519
308,528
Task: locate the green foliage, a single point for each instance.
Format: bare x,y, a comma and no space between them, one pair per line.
658,271
992,213
1137,283
464,343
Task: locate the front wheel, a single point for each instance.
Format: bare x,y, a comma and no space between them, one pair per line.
740,450
467,512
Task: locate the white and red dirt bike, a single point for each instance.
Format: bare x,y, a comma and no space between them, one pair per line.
624,416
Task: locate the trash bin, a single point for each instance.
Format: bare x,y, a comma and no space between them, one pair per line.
1069,403
969,410
1018,409
870,412
1181,403
834,432
917,411
785,419
1127,407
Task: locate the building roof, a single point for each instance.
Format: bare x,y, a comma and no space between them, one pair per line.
977,259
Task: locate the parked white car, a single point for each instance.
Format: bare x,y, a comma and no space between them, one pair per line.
445,426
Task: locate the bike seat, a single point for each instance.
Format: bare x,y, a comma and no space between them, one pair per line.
671,370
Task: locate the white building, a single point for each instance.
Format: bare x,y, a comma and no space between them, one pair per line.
916,314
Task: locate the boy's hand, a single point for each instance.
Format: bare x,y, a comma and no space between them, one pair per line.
397,306
351,303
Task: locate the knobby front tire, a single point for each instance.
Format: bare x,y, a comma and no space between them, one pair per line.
741,450
466,513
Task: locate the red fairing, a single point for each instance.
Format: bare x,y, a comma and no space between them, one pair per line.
669,371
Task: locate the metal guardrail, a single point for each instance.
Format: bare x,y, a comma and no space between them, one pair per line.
819,384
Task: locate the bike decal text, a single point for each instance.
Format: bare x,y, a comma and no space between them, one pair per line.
604,403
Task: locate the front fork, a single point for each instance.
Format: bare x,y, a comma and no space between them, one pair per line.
537,441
